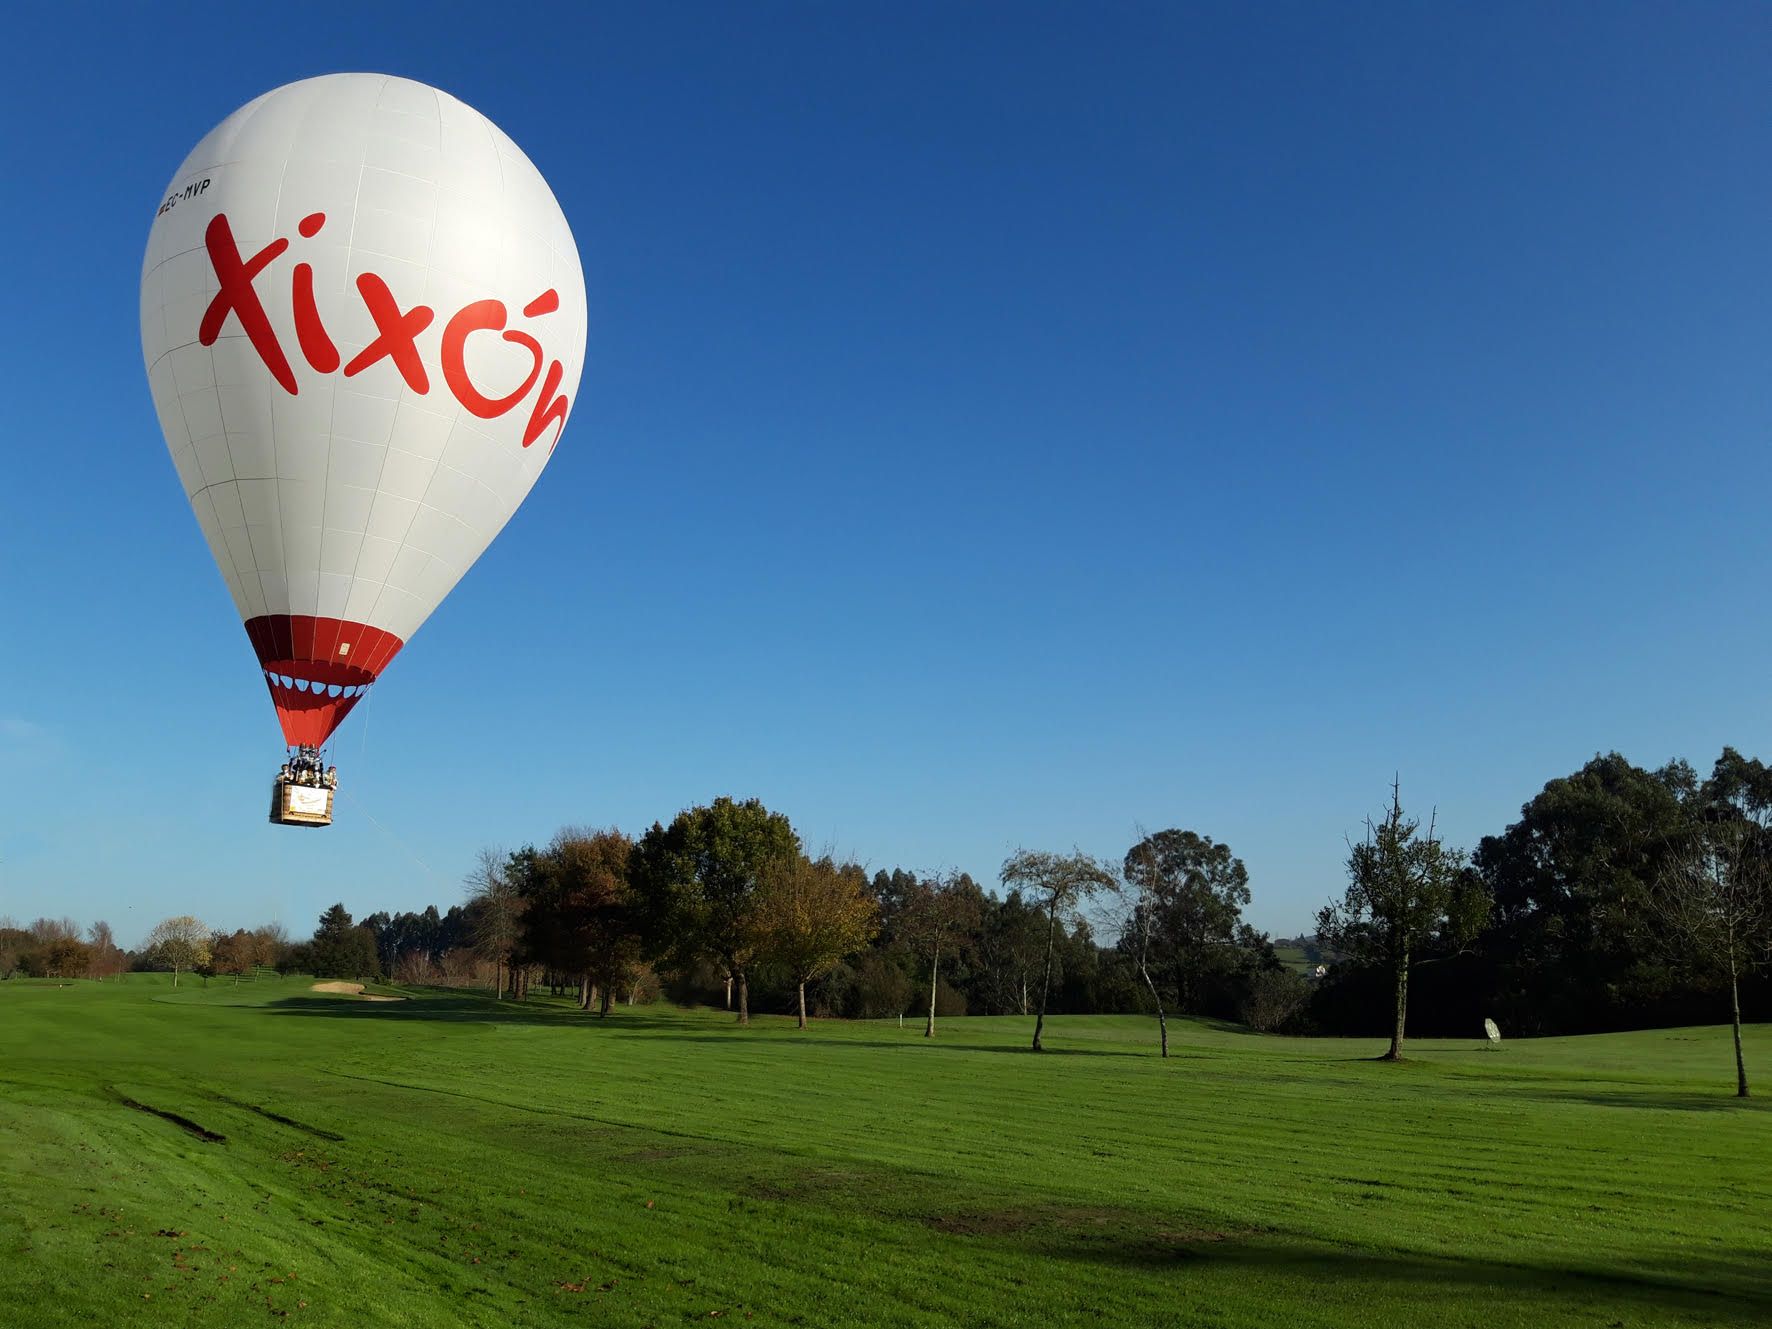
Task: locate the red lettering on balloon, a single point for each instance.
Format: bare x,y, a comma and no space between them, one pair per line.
483,316
546,412
309,331
398,333
238,297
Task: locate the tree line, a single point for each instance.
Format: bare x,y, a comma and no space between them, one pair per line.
1621,898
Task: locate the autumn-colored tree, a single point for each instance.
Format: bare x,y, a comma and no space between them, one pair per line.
105,958
581,916
236,953
179,943
814,913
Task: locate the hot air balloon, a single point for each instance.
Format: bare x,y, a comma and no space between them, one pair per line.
363,319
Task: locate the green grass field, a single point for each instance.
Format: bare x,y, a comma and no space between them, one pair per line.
448,1161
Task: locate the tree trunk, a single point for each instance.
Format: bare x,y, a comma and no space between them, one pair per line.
1396,1051
802,1005
1162,1024
1735,1001
934,965
744,997
729,991
174,975
1046,975
584,992
603,1008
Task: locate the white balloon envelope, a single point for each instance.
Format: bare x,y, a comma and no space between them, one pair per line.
363,318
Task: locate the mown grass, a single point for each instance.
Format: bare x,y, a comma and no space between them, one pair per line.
447,1160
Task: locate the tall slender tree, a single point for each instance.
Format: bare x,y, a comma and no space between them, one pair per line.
1059,883
934,917
1712,902
495,904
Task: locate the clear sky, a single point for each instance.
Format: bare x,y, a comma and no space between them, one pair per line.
1001,425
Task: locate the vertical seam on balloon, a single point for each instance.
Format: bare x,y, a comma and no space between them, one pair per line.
271,415
332,415
430,555
407,629
257,573
436,208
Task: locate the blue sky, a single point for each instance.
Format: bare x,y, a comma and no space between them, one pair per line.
1001,425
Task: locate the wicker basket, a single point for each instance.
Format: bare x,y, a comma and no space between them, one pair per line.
300,804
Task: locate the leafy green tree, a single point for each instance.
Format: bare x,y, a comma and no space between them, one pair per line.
15,942
1189,893
1570,881
1407,894
700,881
1059,884
1010,945
341,949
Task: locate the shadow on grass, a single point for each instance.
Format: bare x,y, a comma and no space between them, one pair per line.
1720,1099
451,1007
455,1008
796,1038
1723,1288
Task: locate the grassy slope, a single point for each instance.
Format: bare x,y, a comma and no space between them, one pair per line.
446,1161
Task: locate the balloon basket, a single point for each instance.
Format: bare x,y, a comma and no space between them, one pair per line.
300,804
301,795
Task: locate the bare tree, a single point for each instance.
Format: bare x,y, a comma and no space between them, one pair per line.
181,942
1060,883
1142,880
937,913
497,907
1712,905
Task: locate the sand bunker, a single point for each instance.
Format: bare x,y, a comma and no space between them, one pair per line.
353,990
